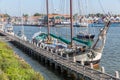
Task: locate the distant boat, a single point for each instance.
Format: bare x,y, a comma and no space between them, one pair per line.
9,29
82,24
1,27
83,35
96,25
65,23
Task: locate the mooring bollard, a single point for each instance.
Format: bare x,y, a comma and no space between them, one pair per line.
116,74
67,56
74,59
102,69
82,62
47,48
91,65
61,53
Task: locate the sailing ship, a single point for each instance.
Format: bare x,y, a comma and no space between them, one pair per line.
89,52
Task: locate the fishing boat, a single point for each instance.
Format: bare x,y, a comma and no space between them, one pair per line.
78,50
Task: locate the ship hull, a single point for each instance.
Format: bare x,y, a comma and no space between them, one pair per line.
88,62
88,58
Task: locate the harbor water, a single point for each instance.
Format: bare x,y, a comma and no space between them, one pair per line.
111,53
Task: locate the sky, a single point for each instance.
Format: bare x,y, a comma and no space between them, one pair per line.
18,7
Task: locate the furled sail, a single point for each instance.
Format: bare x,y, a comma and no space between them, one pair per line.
86,42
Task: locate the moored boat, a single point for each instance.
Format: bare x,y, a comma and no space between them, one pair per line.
82,35
78,50
9,29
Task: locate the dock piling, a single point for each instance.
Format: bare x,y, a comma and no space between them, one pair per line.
82,62
116,74
74,59
91,65
102,69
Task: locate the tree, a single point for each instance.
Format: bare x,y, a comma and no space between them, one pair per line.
75,16
37,14
99,15
6,15
25,15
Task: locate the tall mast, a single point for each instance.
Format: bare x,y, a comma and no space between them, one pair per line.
104,30
47,17
71,22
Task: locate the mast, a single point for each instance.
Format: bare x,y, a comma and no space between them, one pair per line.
47,18
71,22
104,30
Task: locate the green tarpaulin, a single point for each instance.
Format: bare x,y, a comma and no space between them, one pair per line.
88,42
60,38
55,36
64,40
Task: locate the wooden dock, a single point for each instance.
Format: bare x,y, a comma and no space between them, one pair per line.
63,66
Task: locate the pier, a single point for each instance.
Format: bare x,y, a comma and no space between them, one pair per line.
59,64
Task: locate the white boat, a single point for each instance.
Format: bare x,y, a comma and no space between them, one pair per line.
80,24
85,52
65,23
1,27
21,36
9,29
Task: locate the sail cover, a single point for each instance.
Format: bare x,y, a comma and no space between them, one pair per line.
60,38
55,36
88,43
64,40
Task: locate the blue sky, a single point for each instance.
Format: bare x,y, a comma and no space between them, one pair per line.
17,7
